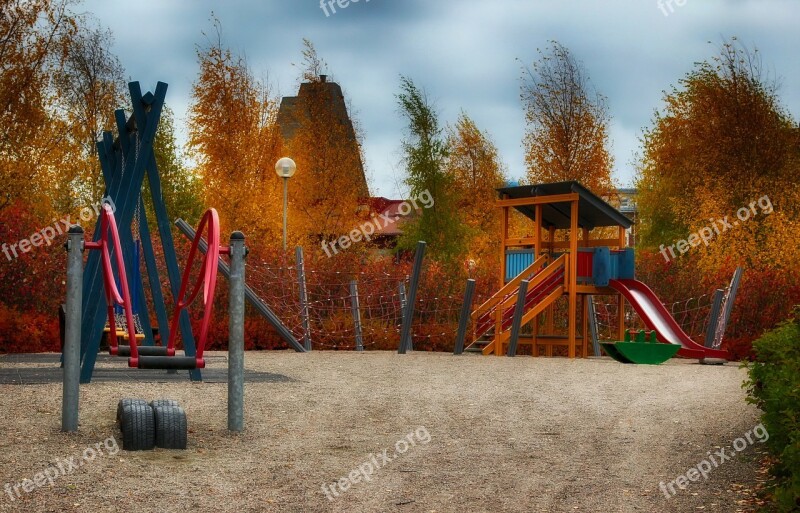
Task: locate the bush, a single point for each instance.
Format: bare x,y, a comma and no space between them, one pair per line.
774,386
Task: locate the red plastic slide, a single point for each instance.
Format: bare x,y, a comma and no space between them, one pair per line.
656,317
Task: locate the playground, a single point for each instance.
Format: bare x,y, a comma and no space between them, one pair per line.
506,434
589,411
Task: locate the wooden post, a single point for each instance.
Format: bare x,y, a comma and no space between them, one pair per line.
498,328
573,276
585,327
550,321
537,251
621,299
498,347
504,238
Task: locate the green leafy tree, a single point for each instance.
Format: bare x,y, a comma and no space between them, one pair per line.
425,155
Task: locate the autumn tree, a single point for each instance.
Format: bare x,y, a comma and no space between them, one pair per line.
320,136
90,86
34,34
180,187
722,142
474,166
234,139
425,155
567,132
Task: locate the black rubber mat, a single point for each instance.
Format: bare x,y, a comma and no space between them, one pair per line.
52,373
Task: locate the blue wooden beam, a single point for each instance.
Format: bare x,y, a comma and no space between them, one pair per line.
124,189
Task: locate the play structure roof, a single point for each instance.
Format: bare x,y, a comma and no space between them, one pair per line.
592,210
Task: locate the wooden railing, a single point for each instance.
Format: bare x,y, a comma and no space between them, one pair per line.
508,290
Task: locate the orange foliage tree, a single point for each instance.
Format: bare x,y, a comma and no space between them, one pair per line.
330,181
234,139
721,160
476,171
33,38
567,134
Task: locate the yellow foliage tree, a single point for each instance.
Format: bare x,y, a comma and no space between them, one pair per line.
330,181
235,141
90,86
34,34
567,134
476,171
723,142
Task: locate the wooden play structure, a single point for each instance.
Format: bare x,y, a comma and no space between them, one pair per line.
550,266
538,269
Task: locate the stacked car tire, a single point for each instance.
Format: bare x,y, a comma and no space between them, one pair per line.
160,423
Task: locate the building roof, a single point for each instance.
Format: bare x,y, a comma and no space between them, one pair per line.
593,212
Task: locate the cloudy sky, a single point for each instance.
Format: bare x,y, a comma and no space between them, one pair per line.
466,54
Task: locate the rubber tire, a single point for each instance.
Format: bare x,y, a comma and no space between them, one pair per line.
163,402
138,428
170,426
124,403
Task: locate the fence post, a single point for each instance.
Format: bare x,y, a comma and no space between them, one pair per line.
72,331
356,315
301,278
405,332
238,251
516,324
593,327
401,290
713,318
727,307
463,320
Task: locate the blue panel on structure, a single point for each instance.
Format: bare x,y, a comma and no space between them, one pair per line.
601,267
626,265
517,261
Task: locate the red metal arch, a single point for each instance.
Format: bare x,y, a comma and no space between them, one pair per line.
207,278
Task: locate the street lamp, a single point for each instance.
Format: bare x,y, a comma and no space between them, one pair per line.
286,168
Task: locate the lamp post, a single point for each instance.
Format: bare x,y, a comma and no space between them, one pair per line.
286,168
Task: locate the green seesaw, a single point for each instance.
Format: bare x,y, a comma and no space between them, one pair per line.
644,349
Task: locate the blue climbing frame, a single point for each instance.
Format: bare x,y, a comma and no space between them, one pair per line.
124,162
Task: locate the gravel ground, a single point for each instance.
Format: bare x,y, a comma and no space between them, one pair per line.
480,434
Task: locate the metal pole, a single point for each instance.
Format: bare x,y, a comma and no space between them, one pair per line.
463,320
236,334
727,307
301,282
285,208
354,306
72,331
593,327
401,289
517,322
405,332
713,317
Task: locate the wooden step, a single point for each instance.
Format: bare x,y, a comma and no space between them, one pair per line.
478,345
